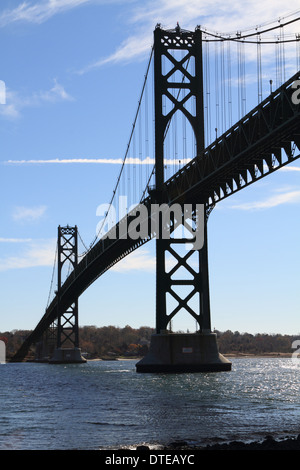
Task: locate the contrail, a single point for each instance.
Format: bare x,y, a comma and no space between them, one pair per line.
105,161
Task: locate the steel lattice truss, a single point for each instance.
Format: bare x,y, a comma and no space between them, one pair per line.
265,140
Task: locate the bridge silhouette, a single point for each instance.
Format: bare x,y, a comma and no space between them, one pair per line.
259,142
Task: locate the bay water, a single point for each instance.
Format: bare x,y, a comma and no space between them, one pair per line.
108,405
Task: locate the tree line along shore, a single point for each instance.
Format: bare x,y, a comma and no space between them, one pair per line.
113,342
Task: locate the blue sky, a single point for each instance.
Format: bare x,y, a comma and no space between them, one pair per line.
73,71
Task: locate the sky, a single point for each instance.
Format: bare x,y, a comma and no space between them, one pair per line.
73,71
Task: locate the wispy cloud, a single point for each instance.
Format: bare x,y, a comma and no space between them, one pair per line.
38,12
63,161
140,260
107,161
143,260
15,103
290,197
143,16
134,47
37,253
223,17
290,168
56,93
28,214
15,240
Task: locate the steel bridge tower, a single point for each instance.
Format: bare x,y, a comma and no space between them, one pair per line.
67,335
171,352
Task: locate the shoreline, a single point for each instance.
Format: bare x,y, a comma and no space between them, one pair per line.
235,355
268,354
269,443
266,444
232,355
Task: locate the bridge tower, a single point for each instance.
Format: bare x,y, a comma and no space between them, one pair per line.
173,352
67,333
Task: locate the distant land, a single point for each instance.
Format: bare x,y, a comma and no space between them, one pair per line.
111,342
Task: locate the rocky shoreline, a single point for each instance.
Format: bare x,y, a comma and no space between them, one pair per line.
269,443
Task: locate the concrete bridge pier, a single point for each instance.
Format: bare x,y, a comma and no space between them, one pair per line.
171,352
67,356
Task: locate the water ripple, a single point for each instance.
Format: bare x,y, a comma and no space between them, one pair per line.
107,404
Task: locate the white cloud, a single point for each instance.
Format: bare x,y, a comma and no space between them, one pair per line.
134,47
15,240
38,12
290,168
62,161
38,253
143,16
56,93
140,260
226,17
28,214
109,161
15,103
12,107
273,201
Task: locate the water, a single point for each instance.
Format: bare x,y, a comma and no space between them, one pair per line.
106,404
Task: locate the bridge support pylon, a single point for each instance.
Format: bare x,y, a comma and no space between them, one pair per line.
176,352
183,352
67,350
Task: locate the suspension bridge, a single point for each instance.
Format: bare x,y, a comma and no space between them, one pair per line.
217,112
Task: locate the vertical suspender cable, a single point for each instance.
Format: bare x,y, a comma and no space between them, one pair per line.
134,179
140,164
298,51
244,104
183,121
277,62
146,109
223,88
208,93
239,77
282,54
259,72
229,92
217,88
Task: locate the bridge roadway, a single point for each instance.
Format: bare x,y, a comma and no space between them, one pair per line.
264,140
